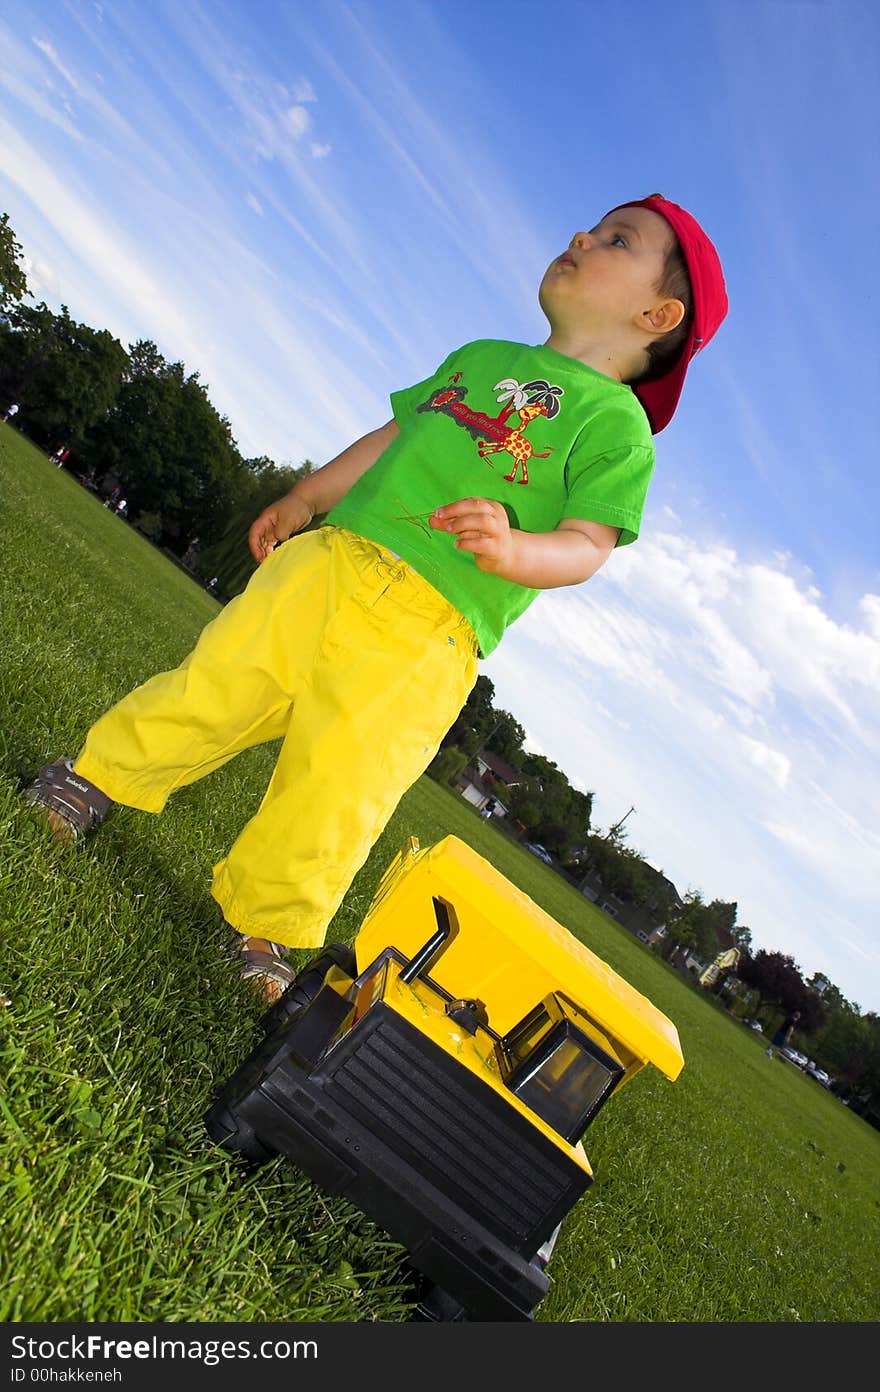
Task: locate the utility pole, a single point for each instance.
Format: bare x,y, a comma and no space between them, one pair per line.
617,825
481,750
609,833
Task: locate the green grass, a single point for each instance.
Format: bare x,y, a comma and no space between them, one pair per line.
741,1192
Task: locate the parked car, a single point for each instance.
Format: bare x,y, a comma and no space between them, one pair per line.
540,851
818,1073
755,1025
794,1056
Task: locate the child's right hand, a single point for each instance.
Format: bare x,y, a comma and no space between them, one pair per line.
276,523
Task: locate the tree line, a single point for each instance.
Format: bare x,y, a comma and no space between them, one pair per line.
132,417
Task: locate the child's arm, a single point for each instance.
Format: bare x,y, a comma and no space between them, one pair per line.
538,560
317,492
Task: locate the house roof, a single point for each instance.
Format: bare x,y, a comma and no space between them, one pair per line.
499,767
656,874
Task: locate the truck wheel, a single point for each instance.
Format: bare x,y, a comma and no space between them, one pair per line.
307,984
437,1306
234,1135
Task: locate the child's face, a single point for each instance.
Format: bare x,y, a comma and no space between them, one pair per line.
607,278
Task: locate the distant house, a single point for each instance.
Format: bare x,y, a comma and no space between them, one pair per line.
489,765
644,920
486,778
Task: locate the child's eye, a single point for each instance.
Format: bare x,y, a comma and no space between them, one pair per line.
617,238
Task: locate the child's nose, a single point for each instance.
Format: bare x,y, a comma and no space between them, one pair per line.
581,240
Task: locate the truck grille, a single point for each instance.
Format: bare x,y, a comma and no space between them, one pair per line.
452,1128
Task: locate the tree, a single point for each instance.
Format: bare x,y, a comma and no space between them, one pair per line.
777,980
168,447
848,1044
229,557
506,739
722,917
524,802
13,282
742,937
623,870
695,927
66,375
447,764
475,720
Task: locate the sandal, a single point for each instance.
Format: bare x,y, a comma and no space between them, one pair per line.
265,965
75,805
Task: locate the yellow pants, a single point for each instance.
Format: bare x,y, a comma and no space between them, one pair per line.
351,656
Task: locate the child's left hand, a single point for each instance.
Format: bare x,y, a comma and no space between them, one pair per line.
483,528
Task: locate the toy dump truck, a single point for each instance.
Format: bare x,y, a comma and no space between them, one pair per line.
440,1075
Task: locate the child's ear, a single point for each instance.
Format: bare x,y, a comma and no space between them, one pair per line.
666,316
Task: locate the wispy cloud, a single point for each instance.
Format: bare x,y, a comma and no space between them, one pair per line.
776,765
45,47
116,266
296,121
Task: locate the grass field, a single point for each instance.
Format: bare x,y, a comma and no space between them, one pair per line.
743,1192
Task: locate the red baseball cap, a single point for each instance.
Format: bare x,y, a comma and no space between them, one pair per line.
660,397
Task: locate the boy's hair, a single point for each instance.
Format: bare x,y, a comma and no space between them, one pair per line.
701,289
675,284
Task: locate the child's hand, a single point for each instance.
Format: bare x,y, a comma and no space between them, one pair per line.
276,523
483,528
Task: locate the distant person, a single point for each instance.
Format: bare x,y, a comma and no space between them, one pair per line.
121,508
10,411
489,808
114,497
511,469
61,456
782,1037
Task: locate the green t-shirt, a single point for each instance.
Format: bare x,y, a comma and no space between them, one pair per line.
526,426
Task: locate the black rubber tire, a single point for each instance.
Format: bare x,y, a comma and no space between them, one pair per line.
307,984
437,1306
234,1135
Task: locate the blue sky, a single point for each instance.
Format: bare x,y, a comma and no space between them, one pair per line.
311,204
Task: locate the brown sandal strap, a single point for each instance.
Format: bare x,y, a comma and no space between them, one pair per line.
259,963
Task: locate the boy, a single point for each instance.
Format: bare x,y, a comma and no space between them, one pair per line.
511,470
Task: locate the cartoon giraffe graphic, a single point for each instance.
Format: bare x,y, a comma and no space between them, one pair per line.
526,400
515,444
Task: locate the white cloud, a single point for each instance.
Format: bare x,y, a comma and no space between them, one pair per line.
870,603
718,696
183,306
43,280
771,761
45,47
480,208
254,202
319,151
123,269
303,91
297,121
749,629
